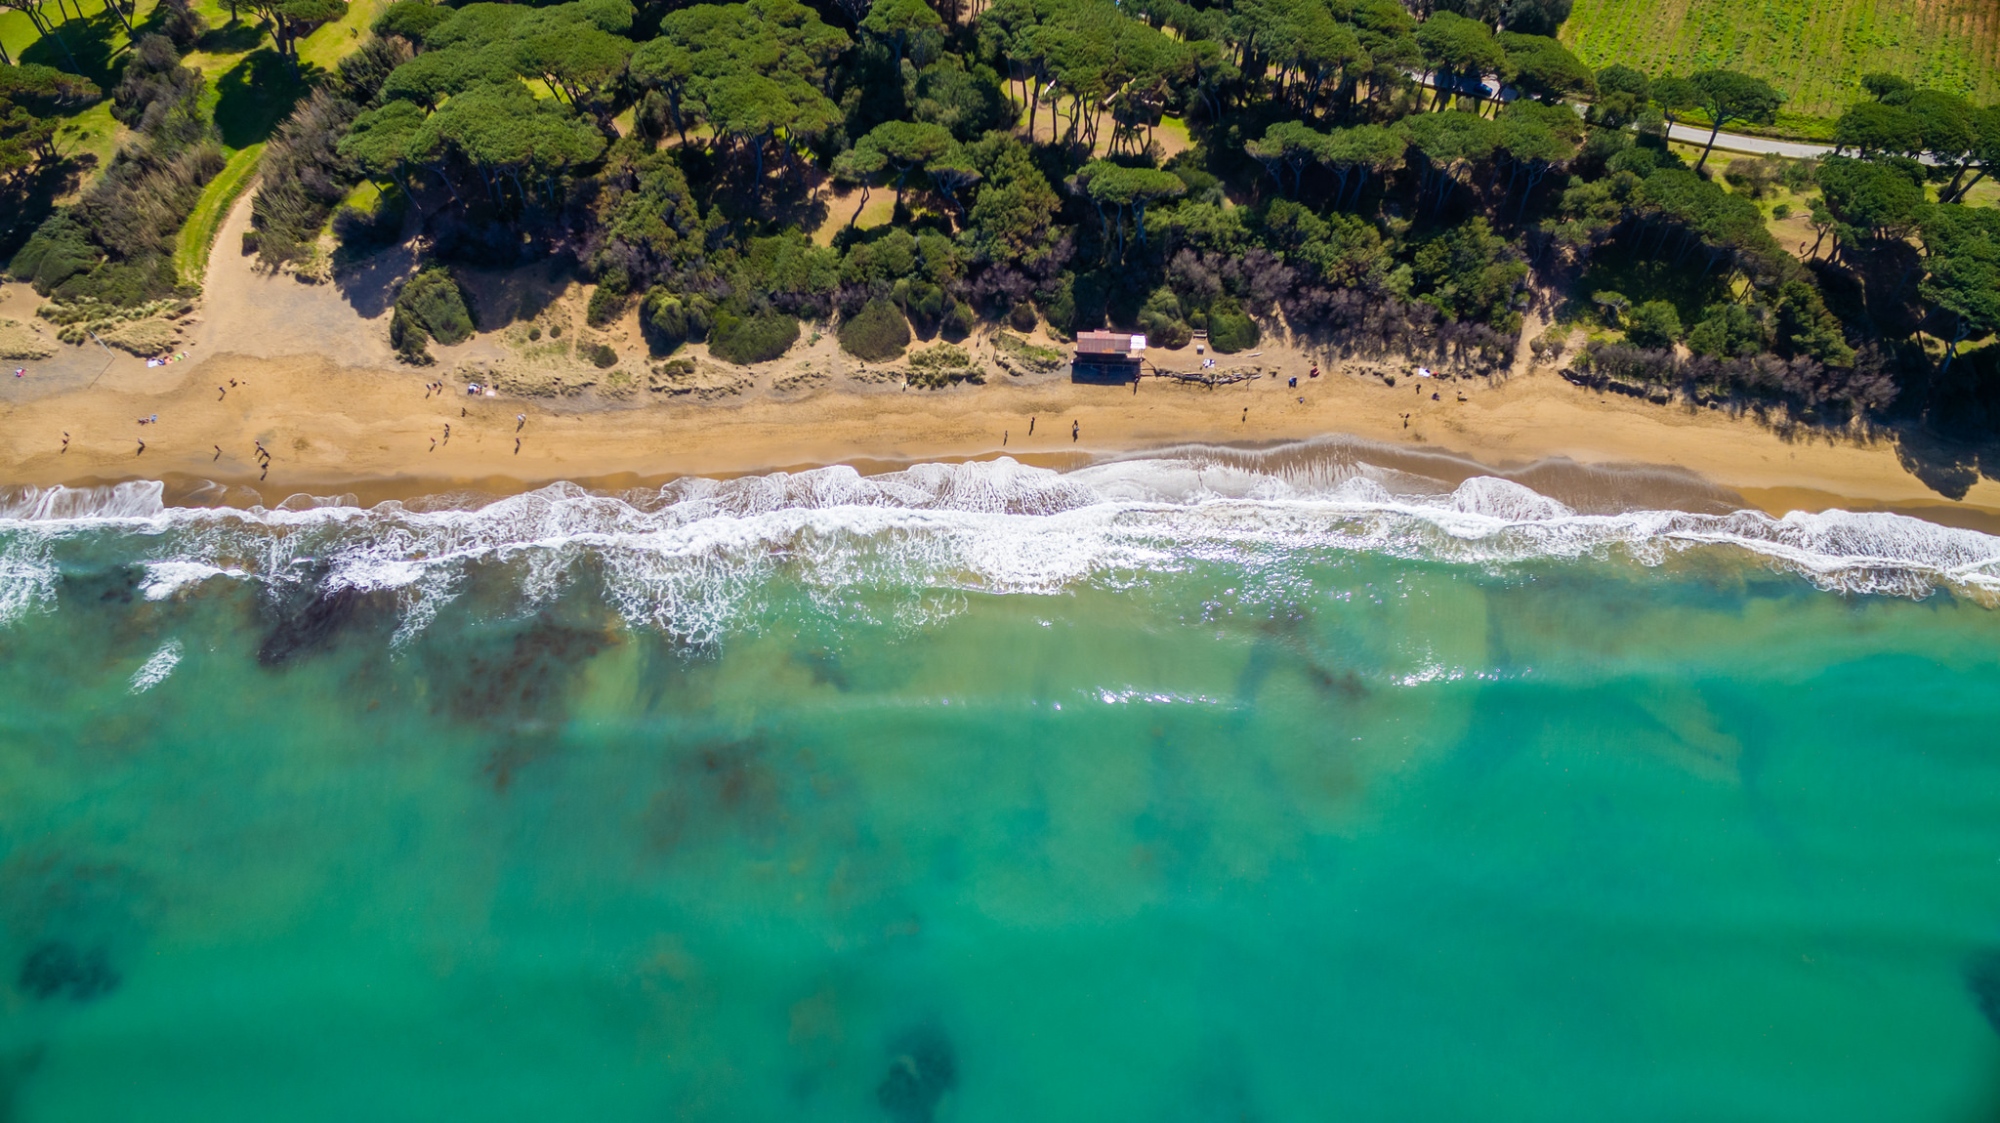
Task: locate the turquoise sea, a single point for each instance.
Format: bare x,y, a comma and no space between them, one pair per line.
1303,784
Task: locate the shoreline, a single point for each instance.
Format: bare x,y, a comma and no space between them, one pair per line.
335,430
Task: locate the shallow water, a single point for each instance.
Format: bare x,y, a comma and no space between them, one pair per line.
1210,787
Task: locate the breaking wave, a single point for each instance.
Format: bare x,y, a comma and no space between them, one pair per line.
156,669
689,557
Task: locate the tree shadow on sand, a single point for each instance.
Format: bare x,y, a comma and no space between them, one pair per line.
1947,467
369,284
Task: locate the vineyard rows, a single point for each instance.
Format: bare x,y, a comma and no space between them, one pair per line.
1813,50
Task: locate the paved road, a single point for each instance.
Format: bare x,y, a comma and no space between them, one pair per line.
1753,145
1725,141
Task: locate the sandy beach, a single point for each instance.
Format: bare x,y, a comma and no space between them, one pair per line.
332,429
261,370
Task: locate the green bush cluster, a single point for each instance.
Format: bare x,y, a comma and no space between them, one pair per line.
429,306
1161,320
756,338
1655,324
607,301
670,319
941,365
1042,360
1229,328
877,333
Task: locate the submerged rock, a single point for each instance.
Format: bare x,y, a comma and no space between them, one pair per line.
56,969
920,1074
1982,979
303,632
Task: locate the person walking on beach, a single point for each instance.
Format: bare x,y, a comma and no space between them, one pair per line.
520,419
1075,427
220,393
517,446
217,456
1003,438
1031,425
65,442
447,432
142,449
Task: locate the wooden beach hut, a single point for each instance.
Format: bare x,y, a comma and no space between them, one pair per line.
1107,356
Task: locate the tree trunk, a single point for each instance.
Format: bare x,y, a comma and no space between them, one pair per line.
1959,194
1951,349
1712,133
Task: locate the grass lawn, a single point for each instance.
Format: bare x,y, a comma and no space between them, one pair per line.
92,131
250,90
1815,51
880,208
197,237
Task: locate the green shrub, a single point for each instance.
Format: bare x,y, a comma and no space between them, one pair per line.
1058,306
408,337
1727,331
752,339
669,319
959,320
607,303
942,356
600,355
120,284
58,250
1040,359
876,334
942,365
924,303
1654,325
434,301
1161,320
1022,317
1229,328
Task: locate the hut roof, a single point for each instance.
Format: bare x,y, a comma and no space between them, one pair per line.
1110,344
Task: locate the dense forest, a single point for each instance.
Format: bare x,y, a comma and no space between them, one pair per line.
1373,178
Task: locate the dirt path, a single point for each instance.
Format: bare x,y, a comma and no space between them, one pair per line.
248,311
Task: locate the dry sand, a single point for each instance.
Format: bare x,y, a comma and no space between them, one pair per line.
314,387
331,428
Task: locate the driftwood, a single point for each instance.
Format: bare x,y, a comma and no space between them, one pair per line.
1207,378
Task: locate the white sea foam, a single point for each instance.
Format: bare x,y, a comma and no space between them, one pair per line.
694,556
165,578
156,669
